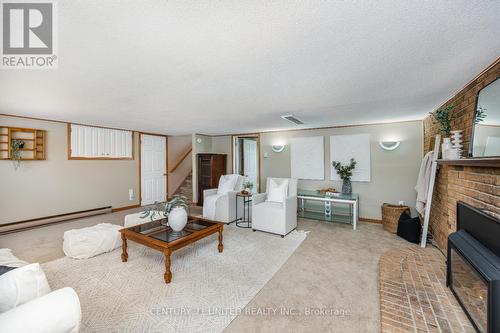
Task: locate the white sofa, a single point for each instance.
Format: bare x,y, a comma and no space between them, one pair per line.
276,217
27,303
221,207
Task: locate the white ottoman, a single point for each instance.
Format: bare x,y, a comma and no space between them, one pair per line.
135,219
89,242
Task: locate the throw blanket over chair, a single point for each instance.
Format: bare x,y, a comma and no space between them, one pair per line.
276,210
219,204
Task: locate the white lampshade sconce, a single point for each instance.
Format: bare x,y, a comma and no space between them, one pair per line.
389,145
278,148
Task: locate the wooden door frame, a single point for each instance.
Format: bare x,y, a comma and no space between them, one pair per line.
140,163
233,155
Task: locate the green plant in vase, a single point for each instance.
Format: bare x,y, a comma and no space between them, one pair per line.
247,186
16,145
345,173
174,210
443,116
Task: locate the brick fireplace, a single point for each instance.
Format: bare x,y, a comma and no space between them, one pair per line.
478,186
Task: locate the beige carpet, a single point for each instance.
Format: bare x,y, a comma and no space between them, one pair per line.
207,291
335,267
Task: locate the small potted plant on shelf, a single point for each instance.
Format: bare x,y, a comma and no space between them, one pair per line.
247,187
16,146
174,210
443,117
345,173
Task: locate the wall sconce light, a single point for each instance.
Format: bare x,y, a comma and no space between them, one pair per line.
278,148
389,145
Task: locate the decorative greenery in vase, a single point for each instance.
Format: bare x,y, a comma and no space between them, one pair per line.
345,173
164,208
248,185
443,116
16,146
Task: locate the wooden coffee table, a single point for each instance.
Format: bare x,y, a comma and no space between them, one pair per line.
164,239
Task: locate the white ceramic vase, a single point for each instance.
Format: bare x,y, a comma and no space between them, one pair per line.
456,140
177,219
445,148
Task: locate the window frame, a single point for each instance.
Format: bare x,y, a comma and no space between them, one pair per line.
69,144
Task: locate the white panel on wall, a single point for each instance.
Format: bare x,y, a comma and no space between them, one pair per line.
345,147
307,157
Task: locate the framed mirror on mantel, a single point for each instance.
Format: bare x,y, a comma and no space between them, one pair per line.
485,138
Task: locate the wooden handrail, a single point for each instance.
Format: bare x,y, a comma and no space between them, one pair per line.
186,154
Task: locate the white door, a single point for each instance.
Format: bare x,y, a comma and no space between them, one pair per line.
250,163
153,169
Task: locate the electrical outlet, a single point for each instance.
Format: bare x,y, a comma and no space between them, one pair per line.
401,203
131,194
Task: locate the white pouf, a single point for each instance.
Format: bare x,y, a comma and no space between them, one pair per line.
89,242
135,219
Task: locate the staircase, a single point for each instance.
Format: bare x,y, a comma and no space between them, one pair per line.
186,188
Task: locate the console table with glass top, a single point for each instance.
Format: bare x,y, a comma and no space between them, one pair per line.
346,212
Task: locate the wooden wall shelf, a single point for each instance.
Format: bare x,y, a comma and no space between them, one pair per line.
34,143
492,162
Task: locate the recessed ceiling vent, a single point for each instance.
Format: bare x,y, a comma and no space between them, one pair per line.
293,119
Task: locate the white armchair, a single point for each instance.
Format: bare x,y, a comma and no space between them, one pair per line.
276,217
221,206
55,312
27,303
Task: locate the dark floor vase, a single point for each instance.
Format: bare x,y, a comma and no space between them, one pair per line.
347,186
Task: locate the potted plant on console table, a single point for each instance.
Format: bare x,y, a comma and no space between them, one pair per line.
345,173
174,210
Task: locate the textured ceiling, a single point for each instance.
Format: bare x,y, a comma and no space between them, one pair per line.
214,67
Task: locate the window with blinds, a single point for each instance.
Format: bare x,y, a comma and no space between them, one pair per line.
88,142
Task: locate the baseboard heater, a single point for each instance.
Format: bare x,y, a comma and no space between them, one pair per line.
33,223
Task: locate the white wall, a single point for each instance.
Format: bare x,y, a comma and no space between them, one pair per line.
222,145
204,146
58,185
393,173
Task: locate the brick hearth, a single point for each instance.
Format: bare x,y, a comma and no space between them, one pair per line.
414,296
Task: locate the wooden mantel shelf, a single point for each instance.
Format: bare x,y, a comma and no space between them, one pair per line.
476,162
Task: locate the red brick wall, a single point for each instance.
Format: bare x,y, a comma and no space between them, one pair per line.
477,186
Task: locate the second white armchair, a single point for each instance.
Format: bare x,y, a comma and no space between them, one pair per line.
276,210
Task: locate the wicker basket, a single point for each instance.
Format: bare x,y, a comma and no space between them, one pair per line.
391,215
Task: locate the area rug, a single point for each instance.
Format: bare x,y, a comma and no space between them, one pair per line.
414,296
207,291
